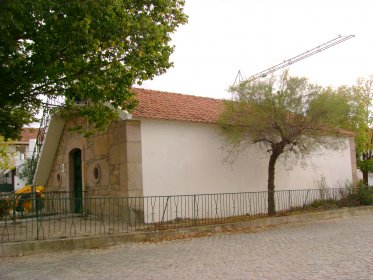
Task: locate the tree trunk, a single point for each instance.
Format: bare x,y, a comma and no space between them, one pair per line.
277,150
271,185
365,177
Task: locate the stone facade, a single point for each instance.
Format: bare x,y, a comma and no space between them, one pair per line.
353,161
111,163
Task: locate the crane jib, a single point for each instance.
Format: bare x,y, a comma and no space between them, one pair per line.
293,60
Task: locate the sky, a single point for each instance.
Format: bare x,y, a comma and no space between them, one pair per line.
225,36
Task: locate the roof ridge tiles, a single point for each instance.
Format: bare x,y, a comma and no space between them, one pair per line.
136,89
155,104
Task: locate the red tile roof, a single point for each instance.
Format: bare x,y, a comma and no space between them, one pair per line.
27,134
174,106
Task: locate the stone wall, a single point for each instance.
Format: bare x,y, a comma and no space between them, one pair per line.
111,163
59,176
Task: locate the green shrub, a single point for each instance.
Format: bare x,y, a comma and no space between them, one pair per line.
324,204
5,206
366,195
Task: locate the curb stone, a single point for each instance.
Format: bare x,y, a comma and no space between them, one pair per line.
44,246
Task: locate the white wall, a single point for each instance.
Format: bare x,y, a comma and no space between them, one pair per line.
187,158
370,177
18,182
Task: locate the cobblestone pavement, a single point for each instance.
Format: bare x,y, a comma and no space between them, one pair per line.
328,249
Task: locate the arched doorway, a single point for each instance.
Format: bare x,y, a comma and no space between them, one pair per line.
76,183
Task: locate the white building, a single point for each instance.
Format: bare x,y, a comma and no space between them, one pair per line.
171,145
21,150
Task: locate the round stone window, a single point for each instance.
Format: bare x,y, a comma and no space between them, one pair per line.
96,173
59,179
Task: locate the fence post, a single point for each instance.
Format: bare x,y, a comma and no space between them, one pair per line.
35,208
194,210
14,207
33,198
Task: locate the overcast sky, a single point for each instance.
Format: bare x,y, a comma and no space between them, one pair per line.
224,36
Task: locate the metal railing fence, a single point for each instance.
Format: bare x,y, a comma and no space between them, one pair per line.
54,215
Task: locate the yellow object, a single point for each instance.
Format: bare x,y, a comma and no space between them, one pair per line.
27,189
23,197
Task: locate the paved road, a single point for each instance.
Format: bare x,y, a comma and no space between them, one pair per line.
329,249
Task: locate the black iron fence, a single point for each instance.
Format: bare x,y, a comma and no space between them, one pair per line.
53,215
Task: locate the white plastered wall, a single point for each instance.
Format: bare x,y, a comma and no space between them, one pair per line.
188,158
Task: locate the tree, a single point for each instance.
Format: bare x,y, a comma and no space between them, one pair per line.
283,115
6,156
365,162
81,50
25,171
360,98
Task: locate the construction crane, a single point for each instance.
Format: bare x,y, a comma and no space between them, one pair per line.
239,78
